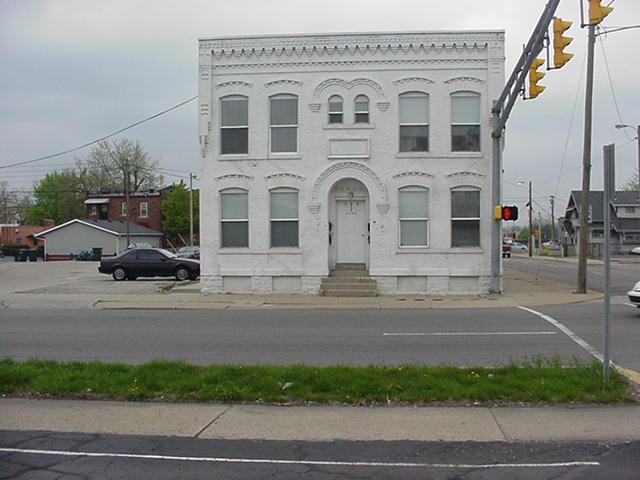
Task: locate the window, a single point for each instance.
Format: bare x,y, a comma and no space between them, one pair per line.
284,218
413,216
465,122
94,210
284,123
465,218
234,125
144,209
414,122
124,209
629,210
361,110
335,109
234,218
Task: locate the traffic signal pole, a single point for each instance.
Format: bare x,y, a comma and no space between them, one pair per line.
500,114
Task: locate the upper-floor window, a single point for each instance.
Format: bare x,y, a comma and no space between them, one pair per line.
361,110
234,125
465,217
144,209
284,218
465,122
414,122
234,218
283,115
413,217
336,114
123,209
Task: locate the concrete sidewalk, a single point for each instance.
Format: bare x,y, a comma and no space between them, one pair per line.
520,289
325,423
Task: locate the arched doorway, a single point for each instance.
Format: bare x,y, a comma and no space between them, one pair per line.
348,222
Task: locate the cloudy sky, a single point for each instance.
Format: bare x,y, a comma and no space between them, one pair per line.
75,70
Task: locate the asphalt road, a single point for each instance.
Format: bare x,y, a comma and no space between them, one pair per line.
85,456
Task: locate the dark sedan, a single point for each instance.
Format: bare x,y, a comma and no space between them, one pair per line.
149,262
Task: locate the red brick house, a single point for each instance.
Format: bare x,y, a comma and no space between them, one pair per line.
144,207
24,234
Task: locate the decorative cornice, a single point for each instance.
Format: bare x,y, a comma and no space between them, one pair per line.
283,82
281,175
338,82
412,174
204,109
236,83
465,79
402,81
463,174
234,176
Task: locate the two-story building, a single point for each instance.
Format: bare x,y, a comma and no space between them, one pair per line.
145,207
360,148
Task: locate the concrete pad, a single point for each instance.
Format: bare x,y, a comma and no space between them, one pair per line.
569,424
130,418
355,423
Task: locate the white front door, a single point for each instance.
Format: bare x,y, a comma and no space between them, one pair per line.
351,230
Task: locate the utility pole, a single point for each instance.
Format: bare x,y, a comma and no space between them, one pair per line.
126,199
191,177
609,158
553,221
531,243
586,166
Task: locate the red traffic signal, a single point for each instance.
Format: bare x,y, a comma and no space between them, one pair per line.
509,213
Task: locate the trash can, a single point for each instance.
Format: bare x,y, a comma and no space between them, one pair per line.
96,254
33,255
22,255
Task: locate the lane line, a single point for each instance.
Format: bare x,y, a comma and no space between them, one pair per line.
445,334
569,333
299,462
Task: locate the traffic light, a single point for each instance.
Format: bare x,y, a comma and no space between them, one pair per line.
534,77
509,213
560,42
597,12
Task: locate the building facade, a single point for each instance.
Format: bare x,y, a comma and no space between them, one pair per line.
145,207
372,149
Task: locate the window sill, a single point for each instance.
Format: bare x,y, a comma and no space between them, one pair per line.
271,251
413,155
467,154
353,126
284,156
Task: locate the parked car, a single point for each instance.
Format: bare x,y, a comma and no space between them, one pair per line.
506,250
519,248
139,245
634,295
149,262
635,251
189,252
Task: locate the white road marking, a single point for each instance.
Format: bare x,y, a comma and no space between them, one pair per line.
630,305
599,356
299,462
444,334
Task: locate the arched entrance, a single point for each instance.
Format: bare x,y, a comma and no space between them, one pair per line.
348,222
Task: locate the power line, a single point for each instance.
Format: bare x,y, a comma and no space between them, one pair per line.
128,127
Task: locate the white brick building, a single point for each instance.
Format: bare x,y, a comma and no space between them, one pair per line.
348,148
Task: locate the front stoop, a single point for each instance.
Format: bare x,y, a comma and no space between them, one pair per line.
348,280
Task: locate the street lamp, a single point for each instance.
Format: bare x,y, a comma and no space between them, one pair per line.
620,126
530,219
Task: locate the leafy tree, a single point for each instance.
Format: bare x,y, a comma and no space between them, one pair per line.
58,196
632,184
175,210
103,170
12,204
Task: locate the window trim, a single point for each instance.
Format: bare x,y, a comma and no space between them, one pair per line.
466,219
123,208
144,212
235,127
296,125
296,219
340,112
357,112
466,93
416,94
413,188
233,191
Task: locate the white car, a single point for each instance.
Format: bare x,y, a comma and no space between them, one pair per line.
635,251
519,248
634,295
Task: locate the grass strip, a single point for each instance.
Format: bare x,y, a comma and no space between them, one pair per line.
538,380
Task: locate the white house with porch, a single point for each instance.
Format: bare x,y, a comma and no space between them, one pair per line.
361,148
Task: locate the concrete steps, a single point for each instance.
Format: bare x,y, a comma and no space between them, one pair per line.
348,280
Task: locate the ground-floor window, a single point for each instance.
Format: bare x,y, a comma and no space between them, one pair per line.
465,217
234,218
413,217
284,218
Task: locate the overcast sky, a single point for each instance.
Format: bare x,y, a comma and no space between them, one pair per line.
76,70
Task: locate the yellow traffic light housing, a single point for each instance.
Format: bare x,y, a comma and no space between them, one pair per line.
597,12
559,42
534,77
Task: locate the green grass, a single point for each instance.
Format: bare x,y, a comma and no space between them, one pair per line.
538,380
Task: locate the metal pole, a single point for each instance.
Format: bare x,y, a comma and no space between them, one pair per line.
586,168
608,157
496,225
190,209
126,199
638,140
530,223
553,221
